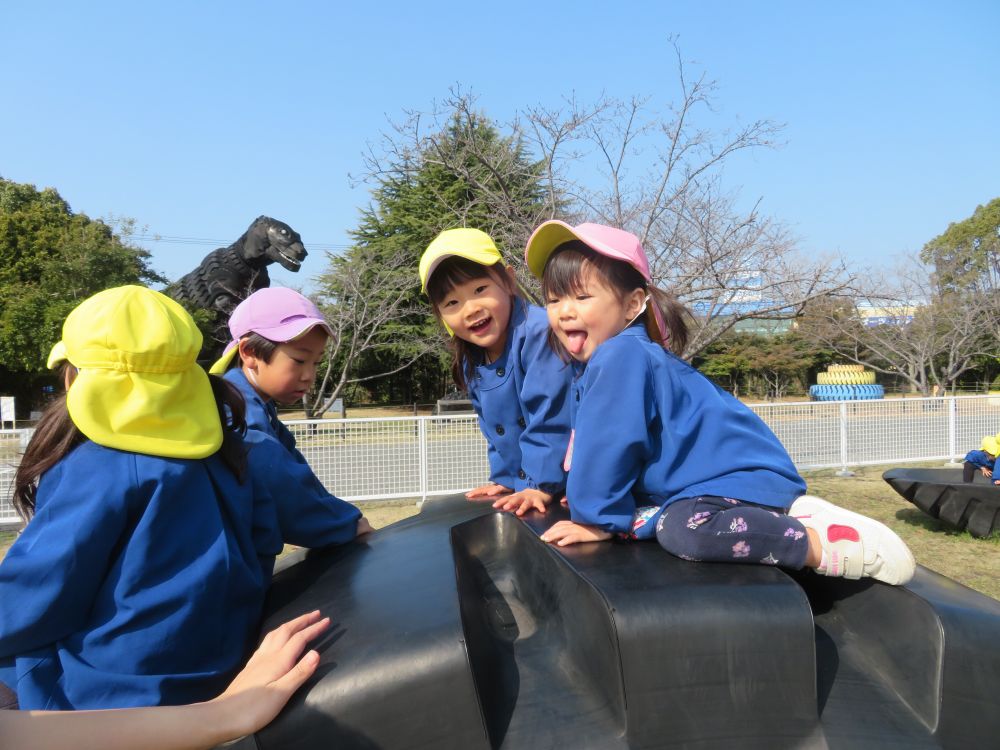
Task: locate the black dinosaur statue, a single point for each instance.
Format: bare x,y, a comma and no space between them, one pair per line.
228,275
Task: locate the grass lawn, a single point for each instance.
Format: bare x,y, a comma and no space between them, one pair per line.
958,555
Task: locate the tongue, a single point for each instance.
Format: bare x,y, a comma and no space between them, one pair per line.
575,341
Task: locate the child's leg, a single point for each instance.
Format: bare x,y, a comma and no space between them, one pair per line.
719,529
968,471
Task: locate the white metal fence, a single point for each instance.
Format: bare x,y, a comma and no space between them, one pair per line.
417,457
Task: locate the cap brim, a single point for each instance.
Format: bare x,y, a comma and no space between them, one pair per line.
431,261
57,356
222,363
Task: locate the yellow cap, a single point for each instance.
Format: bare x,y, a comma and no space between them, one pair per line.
472,244
990,445
139,387
56,356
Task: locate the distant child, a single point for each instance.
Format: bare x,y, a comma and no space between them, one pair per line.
278,341
518,386
140,577
658,449
982,459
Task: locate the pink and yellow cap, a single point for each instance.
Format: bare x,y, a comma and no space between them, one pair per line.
608,241
274,312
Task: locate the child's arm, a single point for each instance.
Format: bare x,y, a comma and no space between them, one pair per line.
251,701
545,392
493,488
308,515
615,427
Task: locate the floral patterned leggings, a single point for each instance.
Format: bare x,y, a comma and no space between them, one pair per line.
721,529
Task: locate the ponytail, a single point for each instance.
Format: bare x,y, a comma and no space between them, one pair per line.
55,436
674,316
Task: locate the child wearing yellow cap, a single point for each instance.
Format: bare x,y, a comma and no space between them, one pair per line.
140,577
982,460
517,384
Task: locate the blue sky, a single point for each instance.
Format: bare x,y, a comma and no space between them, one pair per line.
194,118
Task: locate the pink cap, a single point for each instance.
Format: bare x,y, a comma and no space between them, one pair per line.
276,313
609,241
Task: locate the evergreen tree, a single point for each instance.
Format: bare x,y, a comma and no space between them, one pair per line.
466,175
51,259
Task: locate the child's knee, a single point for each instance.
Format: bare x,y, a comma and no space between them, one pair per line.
678,534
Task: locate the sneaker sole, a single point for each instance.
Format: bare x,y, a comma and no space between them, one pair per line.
897,555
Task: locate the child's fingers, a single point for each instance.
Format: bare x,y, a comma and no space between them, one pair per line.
530,504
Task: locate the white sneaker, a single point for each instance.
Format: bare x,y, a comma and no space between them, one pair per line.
856,546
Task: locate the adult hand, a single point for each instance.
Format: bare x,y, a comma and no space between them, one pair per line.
274,672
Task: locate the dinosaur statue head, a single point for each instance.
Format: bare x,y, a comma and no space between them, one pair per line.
269,240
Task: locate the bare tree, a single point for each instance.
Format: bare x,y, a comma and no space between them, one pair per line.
729,266
362,302
899,323
629,163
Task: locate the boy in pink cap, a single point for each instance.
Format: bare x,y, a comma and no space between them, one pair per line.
279,337
649,430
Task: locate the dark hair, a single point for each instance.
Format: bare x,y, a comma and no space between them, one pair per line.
451,272
56,435
563,276
256,345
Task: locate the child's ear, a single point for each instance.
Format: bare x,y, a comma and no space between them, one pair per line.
511,278
633,303
244,353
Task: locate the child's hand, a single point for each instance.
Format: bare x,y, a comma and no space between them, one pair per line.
364,527
488,491
523,501
274,672
565,533
986,472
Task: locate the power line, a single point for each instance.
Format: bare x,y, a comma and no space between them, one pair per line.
206,241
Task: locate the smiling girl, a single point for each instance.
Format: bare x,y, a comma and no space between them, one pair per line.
517,385
659,450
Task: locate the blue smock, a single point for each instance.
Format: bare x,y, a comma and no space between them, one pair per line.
980,458
649,430
522,400
140,580
261,415
263,425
